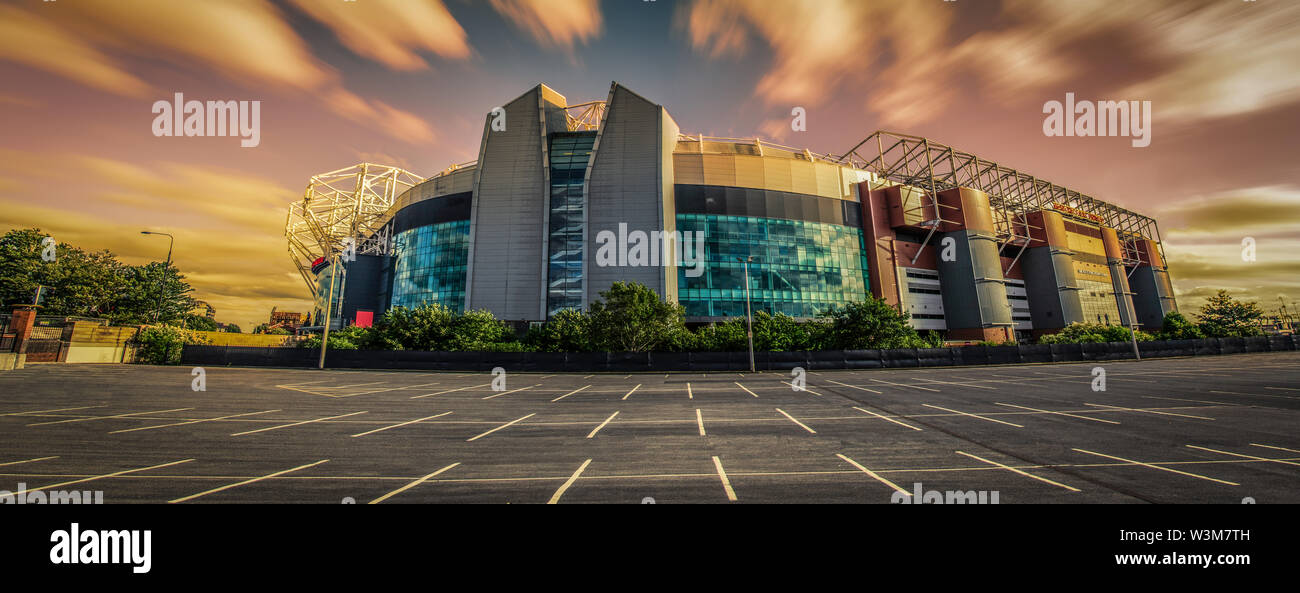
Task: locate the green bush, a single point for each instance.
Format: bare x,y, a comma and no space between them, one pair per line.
1176,327
163,344
629,317
566,331
1092,333
867,325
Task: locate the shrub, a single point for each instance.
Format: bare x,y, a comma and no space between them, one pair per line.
1176,327
1092,333
629,317
868,325
566,331
163,344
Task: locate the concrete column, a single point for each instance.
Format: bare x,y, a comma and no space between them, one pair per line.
1153,295
974,295
1118,275
1050,282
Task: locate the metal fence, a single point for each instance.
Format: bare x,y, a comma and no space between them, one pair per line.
724,361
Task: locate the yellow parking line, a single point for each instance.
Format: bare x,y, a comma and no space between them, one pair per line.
802,425
1244,455
903,385
746,389
511,391
451,390
109,417
54,410
500,427
412,484
885,418
112,475
569,482
570,393
296,423
250,481
1149,411
638,386
602,425
973,415
1272,447
1012,469
1164,469
699,420
803,389
28,460
726,484
689,393
192,421
853,386
1057,413
399,425
873,475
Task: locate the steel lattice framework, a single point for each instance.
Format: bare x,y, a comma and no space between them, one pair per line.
588,116
934,167
341,209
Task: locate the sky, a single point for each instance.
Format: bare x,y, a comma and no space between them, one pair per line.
409,82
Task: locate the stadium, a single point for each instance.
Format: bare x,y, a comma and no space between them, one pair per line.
968,247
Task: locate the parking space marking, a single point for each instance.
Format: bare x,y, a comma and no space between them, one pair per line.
1244,455
191,422
450,390
569,482
1198,401
699,419
746,389
1278,448
638,386
1014,470
865,411
602,425
1056,413
400,424
854,386
88,418
801,425
1163,469
726,484
1147,410
28,460
957,383
300,423
973,415
1283,388
470,440
570,393
512,391
412,484
802,389
1253,394
250,481
54,410
112,475
903,385
875,476
689,393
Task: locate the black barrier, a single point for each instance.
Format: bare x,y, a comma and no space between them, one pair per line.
202,355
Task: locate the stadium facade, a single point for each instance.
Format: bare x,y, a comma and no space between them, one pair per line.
964,245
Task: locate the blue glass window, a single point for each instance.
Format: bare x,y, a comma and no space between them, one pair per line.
569,154
429,265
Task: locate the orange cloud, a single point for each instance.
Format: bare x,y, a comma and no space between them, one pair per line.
551,23
247,41
391,31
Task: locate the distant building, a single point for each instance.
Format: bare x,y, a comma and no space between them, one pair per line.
286,319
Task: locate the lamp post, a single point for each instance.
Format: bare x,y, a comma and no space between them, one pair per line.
162,280
749,320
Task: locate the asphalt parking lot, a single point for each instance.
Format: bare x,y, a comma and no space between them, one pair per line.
1216,430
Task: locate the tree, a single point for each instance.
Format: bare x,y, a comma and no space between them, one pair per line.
566,331
199,322
629,317
233,329
869,324
781,332
1176,327
1225,317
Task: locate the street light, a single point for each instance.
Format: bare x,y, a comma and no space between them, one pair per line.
749,321
170,240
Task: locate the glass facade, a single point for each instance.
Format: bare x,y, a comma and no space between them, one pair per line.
800,268
323,280
569,154
429,265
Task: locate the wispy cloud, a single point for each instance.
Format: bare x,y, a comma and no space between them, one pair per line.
554,24
392,31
